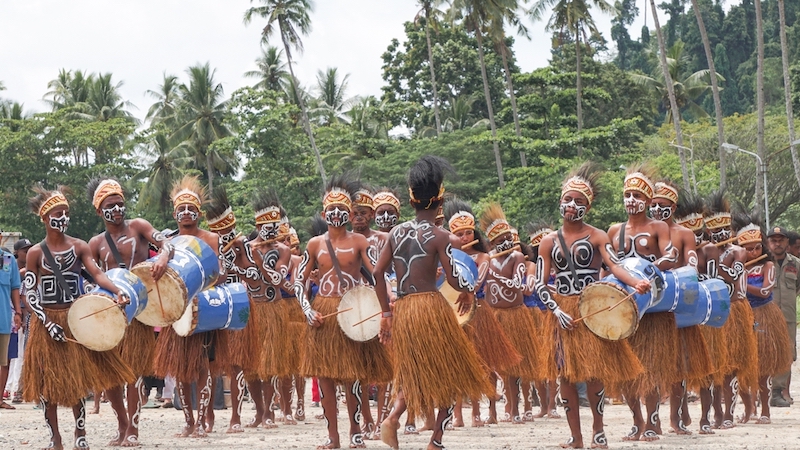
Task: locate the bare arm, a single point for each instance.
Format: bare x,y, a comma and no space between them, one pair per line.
669,253
307,264
612,262
166,250
765,290
33,296
689,249
543,264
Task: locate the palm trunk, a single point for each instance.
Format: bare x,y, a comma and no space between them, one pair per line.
210,169
498,161
578,82
758,206
715,94
433,73
788,91
510,85
676,113
306,123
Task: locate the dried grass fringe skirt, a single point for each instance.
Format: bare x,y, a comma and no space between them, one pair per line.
181,357
694,359
656,344
774,347
517,323
718,352
435,364
581,355
297,330
271,348
742,344
489,339
331,354
138,348
65,372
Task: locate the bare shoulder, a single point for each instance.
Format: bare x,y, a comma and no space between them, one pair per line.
613,229
359,239
141,226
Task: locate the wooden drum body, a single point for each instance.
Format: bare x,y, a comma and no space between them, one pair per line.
223,307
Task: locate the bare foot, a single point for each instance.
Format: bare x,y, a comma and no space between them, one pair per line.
506,418
634,435
553,414
727,425
763,420
706,429
289,420
528,416
328,444
186,431
54,446
426,427
680,429
477,422
492,420
517,420
389,433
572,443
116,441
458,423
649,436
410,429
599,440
744,418
269,424
255,423
235,428
199,432
540,414
131,440
357,441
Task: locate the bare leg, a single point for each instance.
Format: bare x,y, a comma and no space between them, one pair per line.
136,398
118,406
286,401
638,421
765,389
79,411
51,421
255,386
237,397
327,395
411,422
392,423
729,391
268,389
186,406
676,407
97,399
204,385
458,416
208,420
569,397
355,412
653,426
716,402
368,425
444,417
552,393
300,389
512,399
493,402
685,417
749,406
706,398
597,401
430,421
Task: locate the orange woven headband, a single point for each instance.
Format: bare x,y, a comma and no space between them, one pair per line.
498,228
693,222
224,221
536,237
461,220
386,198
364,198
105,189
638,182
718,220
56,199
186,197
270,214
336,196
578,184
749,234
666,191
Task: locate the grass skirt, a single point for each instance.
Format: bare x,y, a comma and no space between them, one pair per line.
138,348
65,372
742,344
720,358
435,364
655,343
181,357
518,325
271,348
581,355
331,354
694,360
774,347
221,362
297,329
490,341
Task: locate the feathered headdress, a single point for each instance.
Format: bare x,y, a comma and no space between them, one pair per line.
583,180
493,222
46,200
219,212
267,206
690,211
640,178
99,189
719,211
188,191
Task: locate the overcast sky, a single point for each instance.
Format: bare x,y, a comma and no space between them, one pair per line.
139,40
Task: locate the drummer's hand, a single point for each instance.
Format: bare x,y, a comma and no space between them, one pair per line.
564,319
55,331
159,267
386,330
123,299
464,302
17,322
439,271
642,286
314,318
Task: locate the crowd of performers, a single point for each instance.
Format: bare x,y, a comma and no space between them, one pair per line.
524,308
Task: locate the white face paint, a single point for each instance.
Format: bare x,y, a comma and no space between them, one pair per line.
720,235
659,212
580,211
386,220
504,245
634,205
337,217
108,213
186,212
60,223
269,231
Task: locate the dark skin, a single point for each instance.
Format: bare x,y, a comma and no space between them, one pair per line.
707,262
574,228
415,275
57,242
131,238
351,252
381,209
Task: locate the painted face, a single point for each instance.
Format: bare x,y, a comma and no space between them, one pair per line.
189,212
362,216
719,234
337,216
503,243
58,221
661,209
385,217
698,237
574,206
269,231
228,237
113,209
635,202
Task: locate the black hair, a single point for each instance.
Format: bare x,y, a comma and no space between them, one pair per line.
94,183
264,198
716,202
589,171
41,196
318,225
425,178
219,203
689,203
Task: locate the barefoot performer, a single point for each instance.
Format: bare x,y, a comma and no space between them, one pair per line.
577,252
58,370
425,324
330,355
127,240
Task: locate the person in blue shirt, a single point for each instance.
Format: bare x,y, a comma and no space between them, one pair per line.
10,311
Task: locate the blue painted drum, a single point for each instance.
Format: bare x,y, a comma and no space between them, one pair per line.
466,267
714,306
96,321
612,308
681,292
223,307
193,268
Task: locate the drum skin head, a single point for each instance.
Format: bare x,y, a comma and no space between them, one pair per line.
364,302
451,295
102,331
173,296
188,321
619,323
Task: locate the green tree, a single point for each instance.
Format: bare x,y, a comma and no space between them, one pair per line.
162,168
428,7
271,73
290,17
332,103
787,86
167,96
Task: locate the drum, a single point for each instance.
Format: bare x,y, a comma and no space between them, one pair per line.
622,307
361,319
94,318
194,268
681,292
223,307
714,306
465,266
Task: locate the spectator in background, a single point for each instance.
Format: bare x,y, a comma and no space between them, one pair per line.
14,384
10,311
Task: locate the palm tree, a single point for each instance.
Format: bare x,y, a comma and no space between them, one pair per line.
498,36
572,18
429,9
200,118
104,101
68,89
13,113
459,115
687,91
476,16
163,110
787,89
714,92
163,168
369,116
760,106
331,103
290,16
676,119
271,73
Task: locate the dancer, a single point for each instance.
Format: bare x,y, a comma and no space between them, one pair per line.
58,370
424,319
387,209
125,244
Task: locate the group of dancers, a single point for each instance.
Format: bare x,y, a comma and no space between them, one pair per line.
524,308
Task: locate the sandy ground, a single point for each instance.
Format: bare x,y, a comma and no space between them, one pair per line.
24,428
